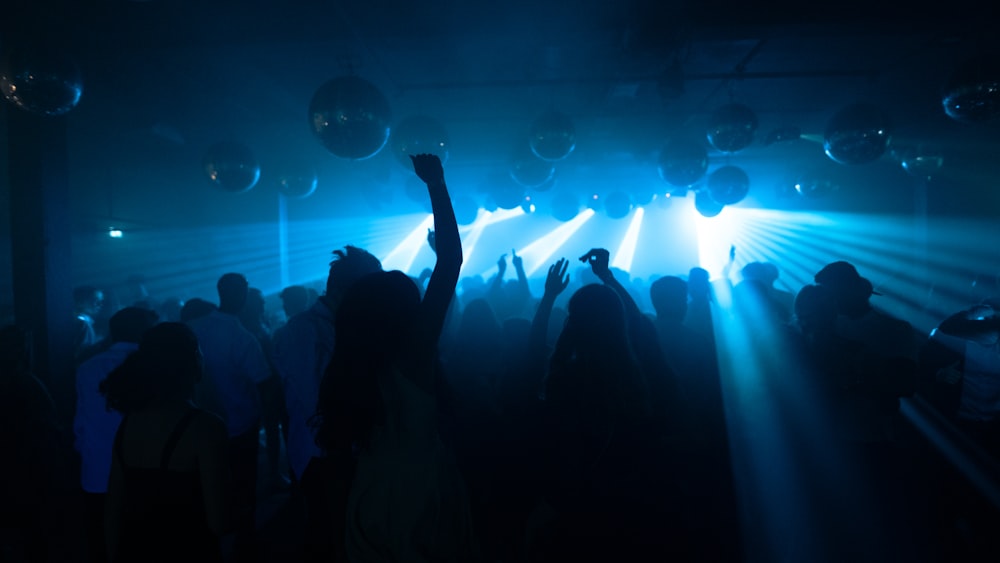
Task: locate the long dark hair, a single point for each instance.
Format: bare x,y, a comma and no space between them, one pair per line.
373,324
165,367
593,364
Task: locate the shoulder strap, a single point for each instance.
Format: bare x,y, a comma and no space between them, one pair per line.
118,441
178,431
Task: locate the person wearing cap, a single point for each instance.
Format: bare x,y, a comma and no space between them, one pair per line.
891,339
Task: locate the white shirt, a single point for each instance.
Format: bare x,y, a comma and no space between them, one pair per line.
94,425
302,350
234,366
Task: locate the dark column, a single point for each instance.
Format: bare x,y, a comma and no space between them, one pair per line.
40,240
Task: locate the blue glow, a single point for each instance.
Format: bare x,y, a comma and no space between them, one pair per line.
115,233
405,253
537,253
626,250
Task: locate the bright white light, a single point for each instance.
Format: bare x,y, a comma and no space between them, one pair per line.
402,257
626,250
115,233
538,253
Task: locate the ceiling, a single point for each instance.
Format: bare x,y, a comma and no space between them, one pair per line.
164,80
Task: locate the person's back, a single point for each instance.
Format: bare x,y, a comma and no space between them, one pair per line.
168,494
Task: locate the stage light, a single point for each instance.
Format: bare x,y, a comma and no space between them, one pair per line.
537,254
115,233
402,256
626,250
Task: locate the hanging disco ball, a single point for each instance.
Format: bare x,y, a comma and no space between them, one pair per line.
682,162
231,166
857,134
728,185
617,205
466,208
815,185
552,136
41,81
565,206
732,127
532,172
351,117
503,191
297,186
972,93
418,134
706,204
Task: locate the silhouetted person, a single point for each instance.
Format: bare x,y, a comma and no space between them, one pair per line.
87,304
196,308
168,494
294,300
699,315
95,425
35,475
303,348
407,501
235,366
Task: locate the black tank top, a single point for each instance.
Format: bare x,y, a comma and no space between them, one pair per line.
164,512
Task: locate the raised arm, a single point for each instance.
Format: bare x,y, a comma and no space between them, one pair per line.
447,247
599,260
555,283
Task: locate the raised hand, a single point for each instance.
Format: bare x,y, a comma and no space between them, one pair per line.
502,265
431,240
428,168
599,260
515,259
557,279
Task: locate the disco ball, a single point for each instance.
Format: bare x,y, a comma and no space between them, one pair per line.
706,204
565,206
231,166
815,185
503,191
41,81
728,185
297,186
418,134
857,134
922,162
972,93
732,127
552,136
466,209
682,162
532,172
617,205
351,117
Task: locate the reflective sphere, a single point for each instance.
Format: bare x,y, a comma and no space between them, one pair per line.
923,166
503,191
728,185
642,194
706,204
815,185
41,81
532,172
552,136
732,127
231,166
973,91
297,186
565,206
617,205
857,134
416,191
683,162
351,117
466,208
418,134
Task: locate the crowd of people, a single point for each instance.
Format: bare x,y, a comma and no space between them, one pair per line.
403,423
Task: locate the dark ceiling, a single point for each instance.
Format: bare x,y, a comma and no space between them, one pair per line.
166,79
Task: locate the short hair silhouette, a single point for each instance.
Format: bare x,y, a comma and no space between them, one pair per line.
348,266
